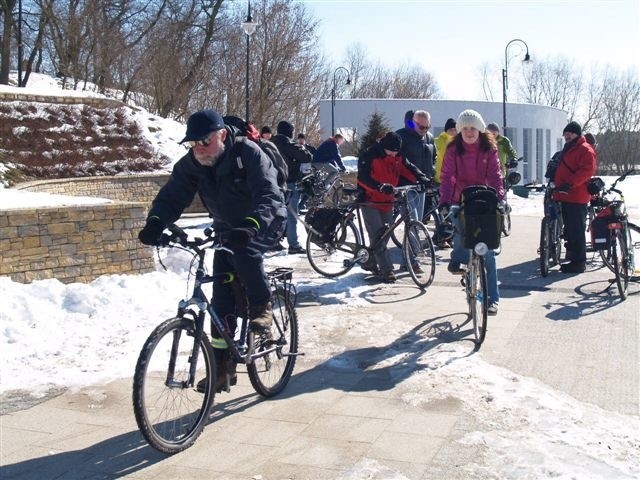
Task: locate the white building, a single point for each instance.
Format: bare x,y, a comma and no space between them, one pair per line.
534,130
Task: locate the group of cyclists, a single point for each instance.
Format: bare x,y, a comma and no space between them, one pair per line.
249,212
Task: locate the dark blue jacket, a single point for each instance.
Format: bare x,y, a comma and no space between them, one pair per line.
328,152
295,155
229,193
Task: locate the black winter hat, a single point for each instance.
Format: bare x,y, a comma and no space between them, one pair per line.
265,129
451,123
573,127
391,141
408,116
201,124
285,128
301,135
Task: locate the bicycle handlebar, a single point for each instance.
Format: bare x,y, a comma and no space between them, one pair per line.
179,237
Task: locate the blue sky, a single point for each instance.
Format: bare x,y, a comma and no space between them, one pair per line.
452,39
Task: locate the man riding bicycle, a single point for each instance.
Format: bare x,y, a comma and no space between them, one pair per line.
248,212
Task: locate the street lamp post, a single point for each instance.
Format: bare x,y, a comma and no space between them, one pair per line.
527,58
249,27
20,43
333,93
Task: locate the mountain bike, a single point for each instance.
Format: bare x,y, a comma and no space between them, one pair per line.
337,252
512,178
551,226
169,410
611,235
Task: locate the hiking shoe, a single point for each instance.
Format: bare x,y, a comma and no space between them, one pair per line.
573,267
298,249
278,247
261,317
455,268
388,277
493,309
370,267
416,268
221,381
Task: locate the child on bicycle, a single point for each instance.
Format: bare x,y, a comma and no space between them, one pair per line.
379,171
471,159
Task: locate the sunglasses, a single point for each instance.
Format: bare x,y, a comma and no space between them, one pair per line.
422,127
205,143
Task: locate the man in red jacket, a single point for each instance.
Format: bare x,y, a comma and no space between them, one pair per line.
576,166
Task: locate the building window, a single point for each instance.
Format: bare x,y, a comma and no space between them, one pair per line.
539,155
526,154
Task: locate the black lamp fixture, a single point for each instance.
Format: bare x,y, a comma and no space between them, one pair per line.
333,93
527,58
249,28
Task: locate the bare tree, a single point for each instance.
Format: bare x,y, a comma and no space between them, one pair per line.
6,13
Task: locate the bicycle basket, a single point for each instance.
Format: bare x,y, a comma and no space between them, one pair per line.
324,223
480,218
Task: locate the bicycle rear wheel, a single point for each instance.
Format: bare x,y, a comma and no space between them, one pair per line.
169,411
335,257
477,297
270,372
545,234
419,254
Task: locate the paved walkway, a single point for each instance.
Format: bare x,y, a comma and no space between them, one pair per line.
355,407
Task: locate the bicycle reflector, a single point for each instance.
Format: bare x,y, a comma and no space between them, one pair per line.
481,249
514,178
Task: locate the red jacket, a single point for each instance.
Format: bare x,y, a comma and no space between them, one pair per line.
375,167
578,165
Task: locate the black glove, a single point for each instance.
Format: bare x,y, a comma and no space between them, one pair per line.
386,188
425,181
152,231
240,236
513,163
564,188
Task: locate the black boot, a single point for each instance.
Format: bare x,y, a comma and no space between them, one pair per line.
261,317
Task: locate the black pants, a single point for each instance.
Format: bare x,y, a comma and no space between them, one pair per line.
247,264
574,216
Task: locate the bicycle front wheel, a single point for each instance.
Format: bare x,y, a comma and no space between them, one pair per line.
419,254
619,257
336,256
169,411
506,223
544,246
276,353
477,297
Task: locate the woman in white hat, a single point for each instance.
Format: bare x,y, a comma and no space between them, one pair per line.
471,159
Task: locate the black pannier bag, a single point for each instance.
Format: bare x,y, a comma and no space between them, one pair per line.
324,223
599,228
480,217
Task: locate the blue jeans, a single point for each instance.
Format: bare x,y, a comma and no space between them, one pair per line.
292,221
459,254
416,203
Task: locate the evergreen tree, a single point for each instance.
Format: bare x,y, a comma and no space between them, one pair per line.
377,128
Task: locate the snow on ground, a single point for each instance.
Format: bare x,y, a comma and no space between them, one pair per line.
54,335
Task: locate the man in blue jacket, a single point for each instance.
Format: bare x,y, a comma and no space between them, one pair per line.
329,152
237,183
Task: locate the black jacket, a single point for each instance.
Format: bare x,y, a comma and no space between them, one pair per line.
229,193
418,150
293,153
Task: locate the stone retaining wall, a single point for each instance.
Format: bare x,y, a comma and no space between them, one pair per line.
127,188
73,243
31,97
79,243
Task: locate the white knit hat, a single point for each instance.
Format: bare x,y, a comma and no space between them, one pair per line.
470,118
